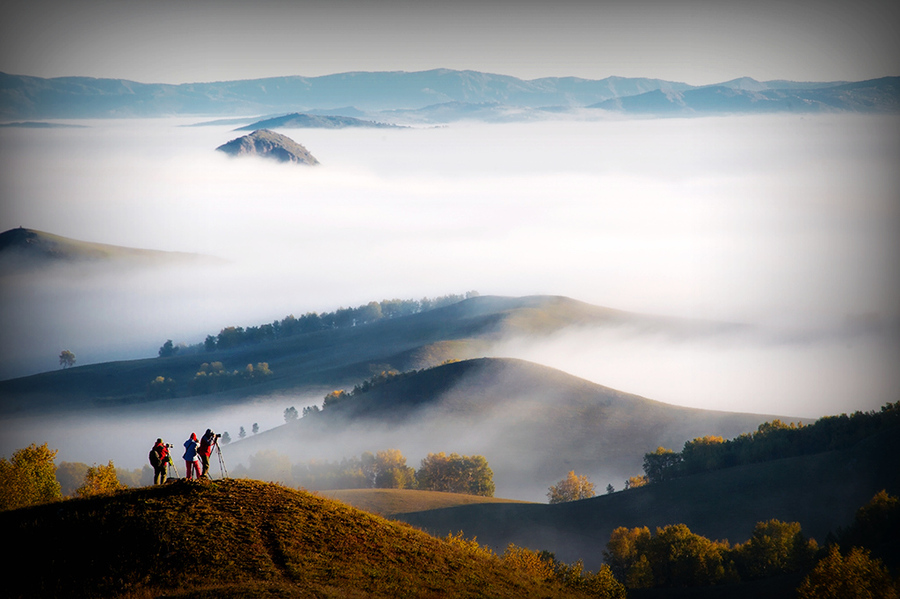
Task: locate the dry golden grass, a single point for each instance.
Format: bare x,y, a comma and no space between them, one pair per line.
243,538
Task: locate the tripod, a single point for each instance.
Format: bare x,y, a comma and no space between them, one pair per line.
222,467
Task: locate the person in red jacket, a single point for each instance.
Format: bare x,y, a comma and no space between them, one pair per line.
206,446
160,460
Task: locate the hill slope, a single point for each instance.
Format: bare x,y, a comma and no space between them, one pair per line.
531,422
822,492
297,120
238,539
323,360
22,248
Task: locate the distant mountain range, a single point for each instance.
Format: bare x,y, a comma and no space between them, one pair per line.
370,93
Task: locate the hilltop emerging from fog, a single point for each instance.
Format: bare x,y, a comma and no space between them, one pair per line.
269,144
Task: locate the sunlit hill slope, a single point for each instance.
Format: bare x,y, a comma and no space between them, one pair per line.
240,539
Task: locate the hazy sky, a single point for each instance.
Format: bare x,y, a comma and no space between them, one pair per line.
695,41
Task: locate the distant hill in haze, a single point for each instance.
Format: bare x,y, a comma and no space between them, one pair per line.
24,97
297,120
749,96
269,144
23,249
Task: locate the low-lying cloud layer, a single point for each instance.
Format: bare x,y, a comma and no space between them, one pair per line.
783,222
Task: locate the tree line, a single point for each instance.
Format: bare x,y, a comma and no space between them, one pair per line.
386,469
675,557
235,336
771,441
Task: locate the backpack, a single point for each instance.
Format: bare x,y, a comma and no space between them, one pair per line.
155,460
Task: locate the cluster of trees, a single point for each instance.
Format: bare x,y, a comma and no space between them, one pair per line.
674,557
210,378
772,440
386,469
30,477
213,377
233,336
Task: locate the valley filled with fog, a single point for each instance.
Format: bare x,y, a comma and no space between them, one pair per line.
786,224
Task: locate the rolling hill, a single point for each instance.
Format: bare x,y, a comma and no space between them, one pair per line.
21,249
822,492
297,120
532,423
241,539
328,359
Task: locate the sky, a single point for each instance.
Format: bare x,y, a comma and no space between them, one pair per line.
692,41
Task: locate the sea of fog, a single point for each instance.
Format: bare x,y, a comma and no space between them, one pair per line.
788,224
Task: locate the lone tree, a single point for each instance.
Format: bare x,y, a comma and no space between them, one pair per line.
66,358
571,488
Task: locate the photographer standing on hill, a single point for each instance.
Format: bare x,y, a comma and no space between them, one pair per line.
160,460
207,441
191,457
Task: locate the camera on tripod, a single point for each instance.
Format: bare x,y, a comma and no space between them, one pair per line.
169,445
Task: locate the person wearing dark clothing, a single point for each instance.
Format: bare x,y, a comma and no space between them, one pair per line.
160,460
206,446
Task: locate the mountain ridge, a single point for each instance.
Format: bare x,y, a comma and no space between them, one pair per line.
23,96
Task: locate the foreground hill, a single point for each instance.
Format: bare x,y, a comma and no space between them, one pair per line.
391,502
240,539
21,249
822,492
531,422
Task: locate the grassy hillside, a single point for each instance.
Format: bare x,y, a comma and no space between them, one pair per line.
240,539
531,422
26,248
390,502
822,492
322,360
